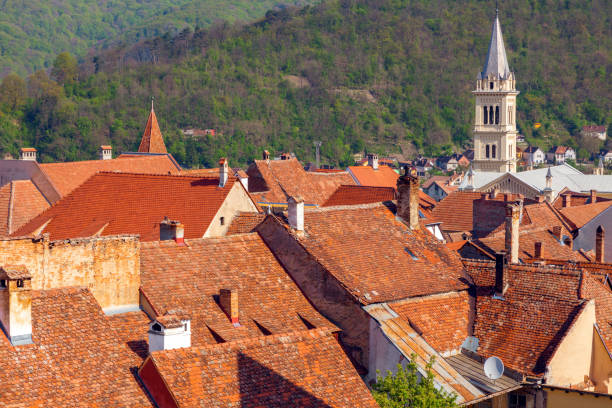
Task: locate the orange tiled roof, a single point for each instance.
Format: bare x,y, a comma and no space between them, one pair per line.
274,181
578,216
594,288
442,319
123,203
26,202
539,307
245,222
75,359
384,176
577,199
131,328
369,252
351,195
173,277
65,177
152,139
299,369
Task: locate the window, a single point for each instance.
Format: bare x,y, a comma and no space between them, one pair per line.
497,115
490,115
509,115
2,283
517,401
486,116
20,283
511,152
493,151
491,85
222,220
412,255
487,151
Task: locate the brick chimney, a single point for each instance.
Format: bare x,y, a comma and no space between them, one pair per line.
27,153
567,200
16,304
512,232
223,171
557,231
228,300
106,152
538,252
295,211
593,197
266,155
408,198
599,244
501,284
373,160
170,229
168,332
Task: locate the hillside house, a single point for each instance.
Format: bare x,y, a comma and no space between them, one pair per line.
598,131
532,155
559,154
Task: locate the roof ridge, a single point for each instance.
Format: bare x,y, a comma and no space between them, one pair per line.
156,175
247,236
134,157
343,207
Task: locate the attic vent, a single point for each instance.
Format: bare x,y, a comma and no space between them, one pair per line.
156,327
412,255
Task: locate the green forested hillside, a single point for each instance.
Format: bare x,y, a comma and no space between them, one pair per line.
387,75
33,32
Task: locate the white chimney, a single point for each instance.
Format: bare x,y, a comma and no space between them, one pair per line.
223,172
106,152
27,153
169,332
172,230
373,161
296,213
16,304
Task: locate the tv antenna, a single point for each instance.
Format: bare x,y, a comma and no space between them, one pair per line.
493,368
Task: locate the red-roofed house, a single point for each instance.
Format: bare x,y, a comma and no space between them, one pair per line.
595,131
373,175
559,154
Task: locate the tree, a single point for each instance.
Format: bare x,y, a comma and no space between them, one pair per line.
407,388
12,91
65,69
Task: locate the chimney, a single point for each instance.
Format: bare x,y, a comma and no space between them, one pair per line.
168,332
223,171
296,213
538,253
27,153
494,193
106,152
500,273
373,160
228,300
169,229
593,196
512,232
285,156
540,198
599,244
408,198
567,200
557,230
16,304
266,155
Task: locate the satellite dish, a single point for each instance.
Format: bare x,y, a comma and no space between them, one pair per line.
493,368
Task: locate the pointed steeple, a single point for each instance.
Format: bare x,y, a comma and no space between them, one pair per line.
496,62
152,139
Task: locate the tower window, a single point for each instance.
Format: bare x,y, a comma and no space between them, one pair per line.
491,85
490,115
486,116
509,115
497,115
487,151
222,220
493,151
511,152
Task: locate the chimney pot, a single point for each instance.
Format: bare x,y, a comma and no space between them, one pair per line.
266,155
599,244
500,273
16,304
106,152
593,196
512,232
170,229
567,200
295,210
27,154
285,156
557,231
169,332
228,299
408,198
373,161
223,171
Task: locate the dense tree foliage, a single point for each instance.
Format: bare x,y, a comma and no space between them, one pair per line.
33,32
388,75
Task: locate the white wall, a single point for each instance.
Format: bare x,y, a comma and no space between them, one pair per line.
586,235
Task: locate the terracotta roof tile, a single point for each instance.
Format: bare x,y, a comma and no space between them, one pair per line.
75,359
133,204
299,369
173,277
20,201
442,319
131,328
274,181
384,176
67,176
371,253
578,216
152,139
577,199
351,195
594,288
245,222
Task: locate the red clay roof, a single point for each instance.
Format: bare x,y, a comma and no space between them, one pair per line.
245,222
274,181
577,199
384,176
300,369
578,216
369,251
75,359
123,203
442,319
190,277
351,195
65,177
152,139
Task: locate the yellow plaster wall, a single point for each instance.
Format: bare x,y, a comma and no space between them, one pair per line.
108,266
562,399
601,366
237,200
571,361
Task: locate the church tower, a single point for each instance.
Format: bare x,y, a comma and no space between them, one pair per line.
495,119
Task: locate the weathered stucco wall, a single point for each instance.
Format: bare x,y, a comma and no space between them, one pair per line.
237,200
563,399
571,361
108,266
601,366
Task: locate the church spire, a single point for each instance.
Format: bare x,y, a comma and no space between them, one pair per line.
496,62
152,139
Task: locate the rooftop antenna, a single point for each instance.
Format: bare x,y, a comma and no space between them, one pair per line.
317,144
152,100
493,368
496,8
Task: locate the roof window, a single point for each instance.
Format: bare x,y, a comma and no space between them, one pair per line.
412,255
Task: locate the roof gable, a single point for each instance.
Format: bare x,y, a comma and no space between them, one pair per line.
152,139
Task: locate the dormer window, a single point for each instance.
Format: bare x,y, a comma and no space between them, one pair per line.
491,85
412,255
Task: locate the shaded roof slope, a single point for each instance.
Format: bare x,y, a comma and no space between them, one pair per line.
75,358
190,277
152,139
300,369
122,203
350,195
20,201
